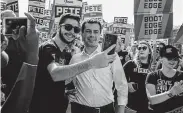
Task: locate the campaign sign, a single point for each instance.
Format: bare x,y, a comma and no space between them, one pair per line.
59,10
13,5
100,19
69,2
43,1
119,30
97,8
36,7
36,10
153,6
3,5
44,35
121,20
148,26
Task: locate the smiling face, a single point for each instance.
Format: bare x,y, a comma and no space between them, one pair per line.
69,35
170,63
143,51
91,34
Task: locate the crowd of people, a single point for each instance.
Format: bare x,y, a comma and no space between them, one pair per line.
47,77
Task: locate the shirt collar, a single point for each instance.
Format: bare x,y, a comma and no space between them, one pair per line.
98,49
59,43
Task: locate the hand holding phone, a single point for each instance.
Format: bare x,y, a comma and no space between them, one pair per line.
12,26
109,40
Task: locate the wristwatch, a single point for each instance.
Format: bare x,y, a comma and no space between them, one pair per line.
170,94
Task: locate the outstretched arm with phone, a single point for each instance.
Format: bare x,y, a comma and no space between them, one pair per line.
19,99
100,60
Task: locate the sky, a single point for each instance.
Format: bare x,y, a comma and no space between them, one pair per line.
122,8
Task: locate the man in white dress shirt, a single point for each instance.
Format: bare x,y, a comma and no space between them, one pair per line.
94,87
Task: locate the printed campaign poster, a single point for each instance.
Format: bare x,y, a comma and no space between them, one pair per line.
93,12
46,19
121,20
148,26
67,6
36,8
153,6
69,2
13,5
3,5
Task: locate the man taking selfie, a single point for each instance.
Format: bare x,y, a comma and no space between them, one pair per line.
53,69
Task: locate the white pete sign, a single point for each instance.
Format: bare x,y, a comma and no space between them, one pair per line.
69,2
97,8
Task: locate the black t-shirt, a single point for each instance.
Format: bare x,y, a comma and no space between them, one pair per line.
49,96
163,84
137,100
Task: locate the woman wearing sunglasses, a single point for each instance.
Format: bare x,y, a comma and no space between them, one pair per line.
165,86
136,71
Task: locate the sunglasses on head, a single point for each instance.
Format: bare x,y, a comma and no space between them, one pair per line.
143,48
69,27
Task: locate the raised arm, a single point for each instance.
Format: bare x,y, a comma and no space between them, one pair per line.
20,97
100,60
162,97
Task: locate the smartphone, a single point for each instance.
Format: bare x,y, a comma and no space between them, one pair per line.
109,40
11,25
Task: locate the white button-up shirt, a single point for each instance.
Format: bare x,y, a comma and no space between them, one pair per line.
94,87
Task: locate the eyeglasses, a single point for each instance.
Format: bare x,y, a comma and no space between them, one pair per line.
69,27
143,48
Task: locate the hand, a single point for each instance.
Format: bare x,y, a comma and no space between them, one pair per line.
102,59
120,109
130,87
177,88
29,42
71,94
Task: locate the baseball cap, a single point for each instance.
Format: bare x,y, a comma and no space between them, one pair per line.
169,52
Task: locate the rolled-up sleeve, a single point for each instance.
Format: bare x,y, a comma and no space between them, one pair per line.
120,81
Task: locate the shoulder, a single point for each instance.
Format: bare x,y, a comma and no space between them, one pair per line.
47,46
77,55
130,62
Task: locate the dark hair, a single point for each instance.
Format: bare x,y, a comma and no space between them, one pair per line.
161,43
91,21
68,16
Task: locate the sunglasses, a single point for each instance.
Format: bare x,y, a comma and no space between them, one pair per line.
69,27
143,48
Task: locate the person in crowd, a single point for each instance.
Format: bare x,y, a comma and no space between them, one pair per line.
53,69
165,86
133,50
158,59
18,100
136,71
94,92
16,57
123,54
